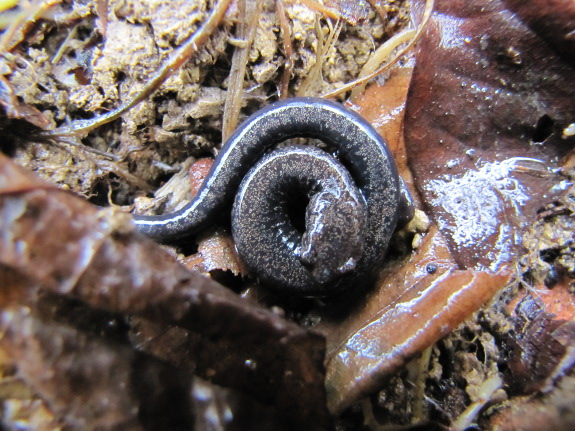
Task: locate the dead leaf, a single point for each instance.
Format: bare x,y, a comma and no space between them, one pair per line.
415,305
486,110
62,244
542,347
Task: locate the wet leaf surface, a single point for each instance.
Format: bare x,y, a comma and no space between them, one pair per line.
486,114
552,20
416,303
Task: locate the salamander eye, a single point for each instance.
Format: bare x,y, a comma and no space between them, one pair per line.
364,165
348,266
324,276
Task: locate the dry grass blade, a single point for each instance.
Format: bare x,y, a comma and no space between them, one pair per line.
360,81
380,56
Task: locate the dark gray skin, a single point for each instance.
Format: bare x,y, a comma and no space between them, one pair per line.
335,217
360,149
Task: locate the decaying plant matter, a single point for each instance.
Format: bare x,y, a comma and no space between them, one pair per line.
116,100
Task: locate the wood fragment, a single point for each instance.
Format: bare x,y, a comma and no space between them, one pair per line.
288,48
246,31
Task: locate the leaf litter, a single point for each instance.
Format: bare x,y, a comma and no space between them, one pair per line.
512,147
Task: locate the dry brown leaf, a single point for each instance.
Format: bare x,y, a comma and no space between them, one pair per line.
52,240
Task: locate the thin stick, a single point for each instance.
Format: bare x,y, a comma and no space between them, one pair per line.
288,48
82,127
380,55
247,26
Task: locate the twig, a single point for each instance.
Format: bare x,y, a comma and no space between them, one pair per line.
422,373
72,140
247,26
109,163
288,48
82,127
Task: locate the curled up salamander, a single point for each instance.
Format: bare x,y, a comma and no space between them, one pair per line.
354,200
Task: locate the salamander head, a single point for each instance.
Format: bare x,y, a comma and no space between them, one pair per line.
333,241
